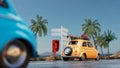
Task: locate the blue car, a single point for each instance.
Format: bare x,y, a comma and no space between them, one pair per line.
17,41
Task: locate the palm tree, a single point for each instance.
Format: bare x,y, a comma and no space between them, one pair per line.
109,36
39,26
91,28
100,41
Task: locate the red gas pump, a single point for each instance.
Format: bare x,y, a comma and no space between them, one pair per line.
55,47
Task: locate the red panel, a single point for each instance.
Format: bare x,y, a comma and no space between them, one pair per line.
55,45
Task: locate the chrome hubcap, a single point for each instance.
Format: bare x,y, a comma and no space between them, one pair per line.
67,50
14,56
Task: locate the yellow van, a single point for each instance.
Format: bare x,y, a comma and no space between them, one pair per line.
81,49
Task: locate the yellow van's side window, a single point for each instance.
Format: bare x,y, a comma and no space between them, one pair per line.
84,44
90,44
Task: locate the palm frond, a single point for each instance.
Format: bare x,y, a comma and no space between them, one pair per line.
39,25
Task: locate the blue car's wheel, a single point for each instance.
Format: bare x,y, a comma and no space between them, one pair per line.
14,55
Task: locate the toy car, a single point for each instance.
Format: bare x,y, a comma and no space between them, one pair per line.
17,41
80,49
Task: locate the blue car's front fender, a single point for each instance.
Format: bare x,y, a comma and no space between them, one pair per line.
13,27
12,35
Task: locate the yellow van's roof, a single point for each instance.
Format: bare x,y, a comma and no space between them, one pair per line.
79,40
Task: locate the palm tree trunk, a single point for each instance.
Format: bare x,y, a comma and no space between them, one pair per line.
108,50
101,50
35,34
94,42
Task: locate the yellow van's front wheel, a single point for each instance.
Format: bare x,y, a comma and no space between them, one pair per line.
98,58
83,57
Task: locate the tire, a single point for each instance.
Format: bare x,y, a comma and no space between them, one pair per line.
68,51
65,58
98,58
14,55
83,58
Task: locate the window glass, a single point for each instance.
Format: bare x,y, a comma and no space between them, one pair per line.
3,4
90,44
73,42
84,44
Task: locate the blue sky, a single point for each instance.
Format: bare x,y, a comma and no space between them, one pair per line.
71,14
